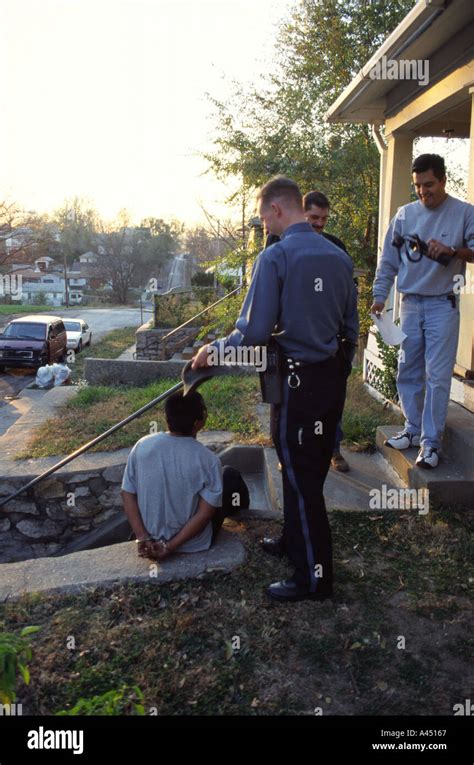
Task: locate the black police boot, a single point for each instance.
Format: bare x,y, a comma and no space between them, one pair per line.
272,546
288,591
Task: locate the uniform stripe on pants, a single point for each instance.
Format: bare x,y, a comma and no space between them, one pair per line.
305,454
292,479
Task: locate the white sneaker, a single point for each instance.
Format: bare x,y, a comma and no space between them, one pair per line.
403,440
427,458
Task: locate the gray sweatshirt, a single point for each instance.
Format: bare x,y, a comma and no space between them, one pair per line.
302,292
451,223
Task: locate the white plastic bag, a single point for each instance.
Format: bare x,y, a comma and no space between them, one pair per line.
44,377
61,373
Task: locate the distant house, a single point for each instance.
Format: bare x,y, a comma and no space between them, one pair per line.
45,281
87,272
88,257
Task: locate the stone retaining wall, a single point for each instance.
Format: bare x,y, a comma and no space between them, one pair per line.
123,372
72,502
41,521
150,346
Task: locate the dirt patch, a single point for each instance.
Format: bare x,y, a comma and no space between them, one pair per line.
394,641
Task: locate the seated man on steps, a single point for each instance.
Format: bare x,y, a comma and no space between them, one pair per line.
175,491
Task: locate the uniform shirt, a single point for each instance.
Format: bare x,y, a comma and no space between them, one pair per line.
451,223
301,292
334,240
272,238
169,474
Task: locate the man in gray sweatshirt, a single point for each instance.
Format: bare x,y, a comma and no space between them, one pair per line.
426,247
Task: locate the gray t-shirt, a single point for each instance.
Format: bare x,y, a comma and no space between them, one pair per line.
169,474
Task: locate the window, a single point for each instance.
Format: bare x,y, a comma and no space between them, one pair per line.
26,331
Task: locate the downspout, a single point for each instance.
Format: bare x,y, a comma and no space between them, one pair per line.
382,147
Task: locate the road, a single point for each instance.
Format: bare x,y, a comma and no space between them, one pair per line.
100,320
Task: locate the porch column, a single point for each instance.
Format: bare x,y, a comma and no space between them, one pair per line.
395,185
465,356
396,192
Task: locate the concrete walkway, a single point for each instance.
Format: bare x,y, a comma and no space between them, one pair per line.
350,491
128,354
22,415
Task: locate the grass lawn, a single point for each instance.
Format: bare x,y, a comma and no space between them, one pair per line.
362,415
395,640
96,408
109,347
10,309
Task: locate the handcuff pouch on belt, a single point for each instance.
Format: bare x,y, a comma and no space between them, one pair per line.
271,380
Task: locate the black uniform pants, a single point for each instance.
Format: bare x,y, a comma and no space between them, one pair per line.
304,430
235,497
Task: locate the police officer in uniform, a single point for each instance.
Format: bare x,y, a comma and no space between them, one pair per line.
303,295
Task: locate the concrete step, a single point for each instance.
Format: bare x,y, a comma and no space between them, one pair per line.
450,483
253,463
458,440
188,352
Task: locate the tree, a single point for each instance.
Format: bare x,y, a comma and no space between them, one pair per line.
119,250
279,127
129,255
199,242
78,222
24,235
161,241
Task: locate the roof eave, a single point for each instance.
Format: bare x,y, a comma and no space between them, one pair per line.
412,26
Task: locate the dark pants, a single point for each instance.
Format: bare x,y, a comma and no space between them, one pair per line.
235,496
339,436
304,431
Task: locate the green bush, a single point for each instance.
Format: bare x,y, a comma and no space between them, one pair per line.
15,651
115,702
173,310
202,279
386,379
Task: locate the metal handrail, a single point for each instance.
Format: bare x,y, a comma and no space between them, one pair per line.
185,323
94,441
115,427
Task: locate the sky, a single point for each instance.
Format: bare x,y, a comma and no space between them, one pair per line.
106,99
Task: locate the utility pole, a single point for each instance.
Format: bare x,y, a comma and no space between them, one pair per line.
65,280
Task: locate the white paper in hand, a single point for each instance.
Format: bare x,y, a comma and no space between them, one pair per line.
391,334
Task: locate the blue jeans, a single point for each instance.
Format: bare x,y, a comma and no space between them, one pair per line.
426,362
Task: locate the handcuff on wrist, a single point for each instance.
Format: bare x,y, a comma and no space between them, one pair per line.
153,539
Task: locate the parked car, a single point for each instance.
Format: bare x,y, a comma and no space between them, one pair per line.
78,333
32,341
74,298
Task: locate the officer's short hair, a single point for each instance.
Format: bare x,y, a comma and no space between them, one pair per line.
433,162
281,187
182,411
316,198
